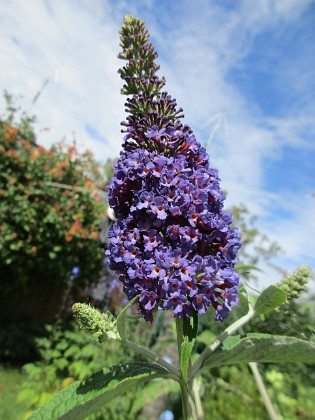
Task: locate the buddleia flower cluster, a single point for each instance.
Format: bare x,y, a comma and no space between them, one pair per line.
172,243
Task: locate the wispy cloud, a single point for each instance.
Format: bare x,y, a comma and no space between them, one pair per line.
214,58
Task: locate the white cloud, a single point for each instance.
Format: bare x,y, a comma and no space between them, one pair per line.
199,47
82,47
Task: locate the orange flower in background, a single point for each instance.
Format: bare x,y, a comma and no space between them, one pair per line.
95,235
27,145
88,184
35,154
12,153
68,238
10,132
72,151
60,165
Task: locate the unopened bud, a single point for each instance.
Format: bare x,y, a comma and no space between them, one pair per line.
101,326
294,284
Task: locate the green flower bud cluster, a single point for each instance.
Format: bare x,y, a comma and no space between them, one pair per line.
101,326
294,284
139,73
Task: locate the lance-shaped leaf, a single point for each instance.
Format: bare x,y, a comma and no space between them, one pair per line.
84,397
270,299
186,349
262,349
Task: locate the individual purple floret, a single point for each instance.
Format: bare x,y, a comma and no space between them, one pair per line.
172,243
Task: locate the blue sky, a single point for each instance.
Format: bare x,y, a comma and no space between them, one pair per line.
244,72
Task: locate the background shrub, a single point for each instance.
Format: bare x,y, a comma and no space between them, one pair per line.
51,207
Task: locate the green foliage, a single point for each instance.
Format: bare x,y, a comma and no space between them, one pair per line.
230,393
236,384
69,354
294,318
10,383
232,389
82,398
270,299
263,349
293,397
50,209
66,355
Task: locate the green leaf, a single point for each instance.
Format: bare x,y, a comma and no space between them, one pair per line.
251,300
121,320
270,299
206,337
263,349
185,353
230,342
72,351
82,398
61,363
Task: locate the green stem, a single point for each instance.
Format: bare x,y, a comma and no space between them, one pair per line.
263,391
261,387
188,402
154,357
218,341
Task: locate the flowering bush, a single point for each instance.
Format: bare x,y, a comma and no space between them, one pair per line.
50,209
173,247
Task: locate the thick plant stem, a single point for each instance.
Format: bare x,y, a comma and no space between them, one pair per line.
186,385
188,402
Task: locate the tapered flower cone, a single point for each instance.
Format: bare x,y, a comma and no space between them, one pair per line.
172,243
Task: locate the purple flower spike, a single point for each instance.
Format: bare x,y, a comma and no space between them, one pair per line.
172,243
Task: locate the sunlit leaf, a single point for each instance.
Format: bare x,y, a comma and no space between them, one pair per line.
82,398
262,348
